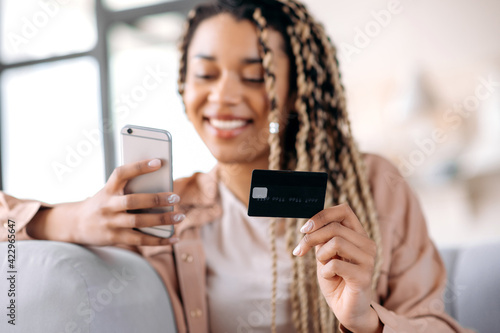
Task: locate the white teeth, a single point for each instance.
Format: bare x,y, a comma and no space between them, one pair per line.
227,124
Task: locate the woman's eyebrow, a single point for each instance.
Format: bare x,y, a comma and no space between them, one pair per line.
204,56
244,61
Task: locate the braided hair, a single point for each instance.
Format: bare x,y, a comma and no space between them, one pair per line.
317,137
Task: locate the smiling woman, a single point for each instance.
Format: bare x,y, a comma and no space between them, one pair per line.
261,86
226,39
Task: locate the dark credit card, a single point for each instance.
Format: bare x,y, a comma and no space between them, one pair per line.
280,193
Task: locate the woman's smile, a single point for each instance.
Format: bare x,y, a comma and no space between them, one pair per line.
226,127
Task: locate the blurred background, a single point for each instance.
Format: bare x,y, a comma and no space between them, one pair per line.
422,80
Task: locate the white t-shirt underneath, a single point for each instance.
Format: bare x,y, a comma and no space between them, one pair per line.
239,261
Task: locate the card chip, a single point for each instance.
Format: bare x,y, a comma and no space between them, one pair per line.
259,192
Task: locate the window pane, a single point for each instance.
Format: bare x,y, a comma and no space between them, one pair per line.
51,141
127,4
144,64
33,29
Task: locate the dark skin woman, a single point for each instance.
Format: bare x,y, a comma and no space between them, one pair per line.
261,86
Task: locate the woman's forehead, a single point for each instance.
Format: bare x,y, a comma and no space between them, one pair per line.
222,36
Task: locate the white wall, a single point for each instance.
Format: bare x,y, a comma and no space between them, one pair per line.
427,59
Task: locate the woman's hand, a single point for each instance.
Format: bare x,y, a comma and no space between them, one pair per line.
345,258
103,219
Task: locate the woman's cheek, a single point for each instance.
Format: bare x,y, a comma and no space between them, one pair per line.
192,101
260,101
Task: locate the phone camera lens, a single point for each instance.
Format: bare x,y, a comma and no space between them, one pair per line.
129,131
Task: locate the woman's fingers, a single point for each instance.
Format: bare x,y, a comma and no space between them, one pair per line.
133,237
128,220
341,213
326,233
135,201
338,247
122,174
103,218
351,273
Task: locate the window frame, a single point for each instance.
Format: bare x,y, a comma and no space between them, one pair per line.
105,19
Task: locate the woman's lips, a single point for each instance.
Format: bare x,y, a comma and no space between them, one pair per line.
227,128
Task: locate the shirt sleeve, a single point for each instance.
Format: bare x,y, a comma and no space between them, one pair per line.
18,212
413,277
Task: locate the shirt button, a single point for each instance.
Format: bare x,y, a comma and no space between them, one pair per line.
187,257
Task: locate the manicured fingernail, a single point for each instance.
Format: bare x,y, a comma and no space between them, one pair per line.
173,198
154,163
179,217
307,226
296,251
173,240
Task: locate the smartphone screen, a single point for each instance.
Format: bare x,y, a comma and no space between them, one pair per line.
142,143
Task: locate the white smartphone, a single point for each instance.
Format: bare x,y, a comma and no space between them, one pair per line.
142,143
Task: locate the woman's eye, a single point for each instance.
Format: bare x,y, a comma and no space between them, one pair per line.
254,80
204,76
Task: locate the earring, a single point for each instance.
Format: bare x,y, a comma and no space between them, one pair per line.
274,127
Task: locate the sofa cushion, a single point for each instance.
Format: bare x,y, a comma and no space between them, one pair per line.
85,289
472,295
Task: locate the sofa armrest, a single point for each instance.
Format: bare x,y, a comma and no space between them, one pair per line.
61,287
472,294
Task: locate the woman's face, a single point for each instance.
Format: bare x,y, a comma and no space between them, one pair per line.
225,95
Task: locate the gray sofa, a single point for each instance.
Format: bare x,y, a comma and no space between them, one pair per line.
66,288
63,287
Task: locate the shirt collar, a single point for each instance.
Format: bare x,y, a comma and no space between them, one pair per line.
200,199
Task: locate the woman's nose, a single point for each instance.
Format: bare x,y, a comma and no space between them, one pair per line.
226,90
